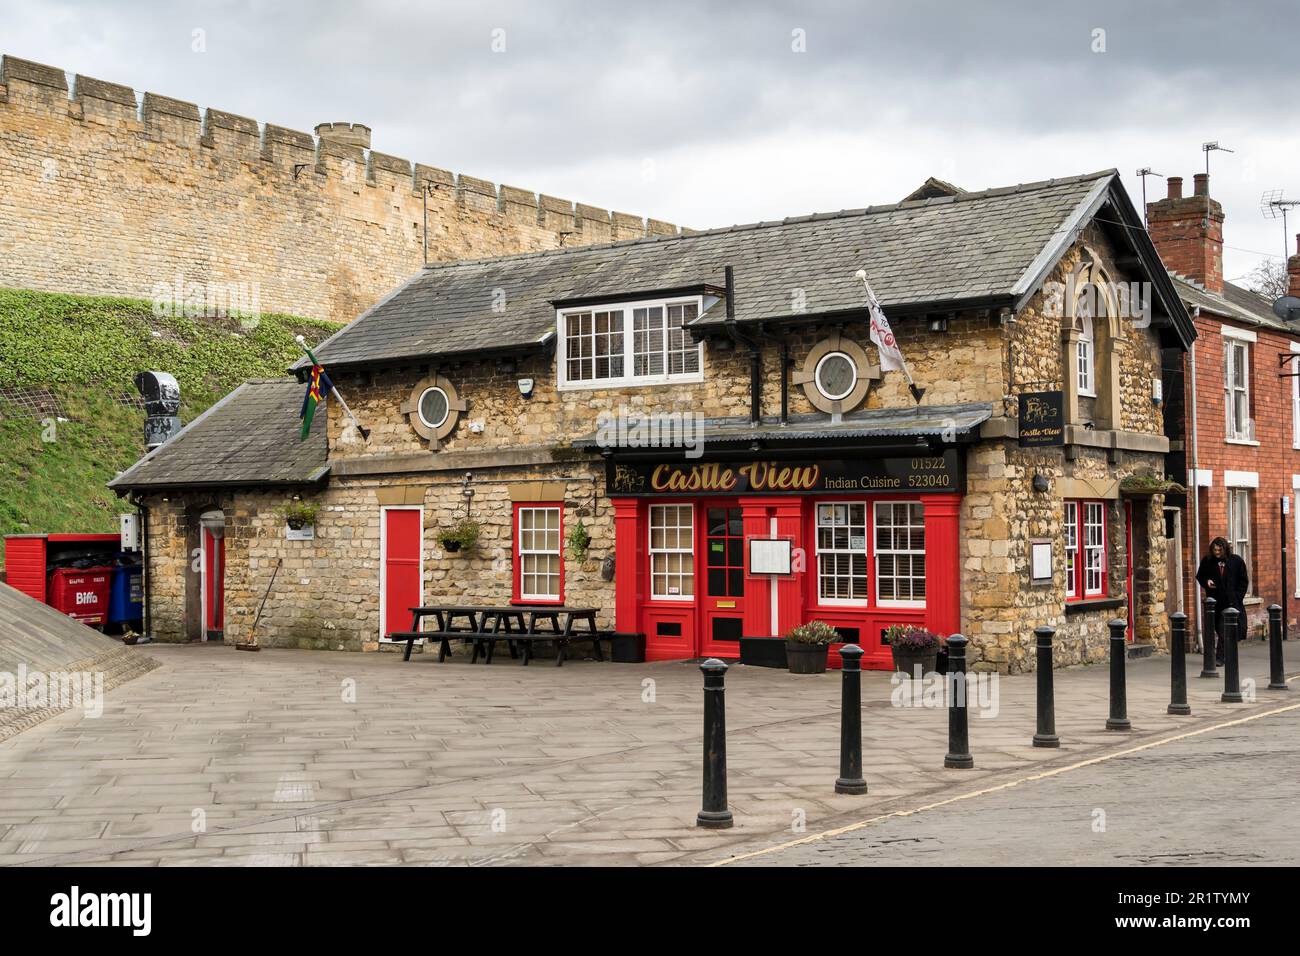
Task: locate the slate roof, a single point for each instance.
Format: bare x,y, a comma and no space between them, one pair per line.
1235,303
250,437
970,249
919,421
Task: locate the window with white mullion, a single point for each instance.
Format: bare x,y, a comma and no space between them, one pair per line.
900,552
1071,549
1239,527
842,552
1236,388
539,553
1094,548
636,342
1085,358
672,552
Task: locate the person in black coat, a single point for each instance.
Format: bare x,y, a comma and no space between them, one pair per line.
1223,576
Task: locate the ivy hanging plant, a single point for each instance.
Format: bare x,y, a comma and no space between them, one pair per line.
463,534
298,514
579,541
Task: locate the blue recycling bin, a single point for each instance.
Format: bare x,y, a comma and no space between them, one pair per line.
125,600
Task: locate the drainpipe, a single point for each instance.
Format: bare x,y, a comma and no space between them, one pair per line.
755,351
142,523
1195,483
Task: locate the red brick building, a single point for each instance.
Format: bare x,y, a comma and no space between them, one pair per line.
1237,438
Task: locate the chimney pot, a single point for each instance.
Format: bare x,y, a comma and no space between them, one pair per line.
1175,187
1202,184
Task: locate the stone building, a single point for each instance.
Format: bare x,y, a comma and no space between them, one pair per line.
1238,433
694,435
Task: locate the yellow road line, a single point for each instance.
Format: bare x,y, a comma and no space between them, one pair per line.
825,834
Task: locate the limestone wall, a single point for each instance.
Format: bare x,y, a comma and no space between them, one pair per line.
103,193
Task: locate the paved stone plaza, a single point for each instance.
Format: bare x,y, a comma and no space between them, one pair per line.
293,757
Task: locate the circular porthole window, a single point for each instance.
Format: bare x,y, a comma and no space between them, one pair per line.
836,375
433,407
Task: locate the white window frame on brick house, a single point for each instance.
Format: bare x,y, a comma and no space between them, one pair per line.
635,342
1085,358
1239,530
1293,366
672,561
1239,427
839,557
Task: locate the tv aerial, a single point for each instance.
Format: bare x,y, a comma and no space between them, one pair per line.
1273,206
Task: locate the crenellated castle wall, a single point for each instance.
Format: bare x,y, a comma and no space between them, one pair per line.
103,192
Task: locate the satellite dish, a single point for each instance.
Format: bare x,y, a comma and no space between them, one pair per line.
1287,308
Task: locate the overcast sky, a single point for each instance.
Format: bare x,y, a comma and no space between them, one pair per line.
709,114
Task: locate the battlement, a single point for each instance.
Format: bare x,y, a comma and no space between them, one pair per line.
339,150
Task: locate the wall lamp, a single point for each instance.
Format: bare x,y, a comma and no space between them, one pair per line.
1041,483
937,323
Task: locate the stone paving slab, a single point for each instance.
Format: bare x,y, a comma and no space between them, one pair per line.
459,764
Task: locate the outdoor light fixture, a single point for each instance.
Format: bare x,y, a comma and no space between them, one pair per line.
526,387
1040,483
938,323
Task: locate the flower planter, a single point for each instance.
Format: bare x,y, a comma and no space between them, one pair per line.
627,649
451,547
764,652
806,658
907,661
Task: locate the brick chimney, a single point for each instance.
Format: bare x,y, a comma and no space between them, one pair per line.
1293,270
1188,232
346,134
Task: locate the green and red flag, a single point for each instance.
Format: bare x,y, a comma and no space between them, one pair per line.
319,387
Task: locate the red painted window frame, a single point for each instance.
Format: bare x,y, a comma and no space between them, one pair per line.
1080,559
516,573
812,590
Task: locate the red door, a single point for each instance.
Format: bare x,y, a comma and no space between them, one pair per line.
722,601
214,585
400,587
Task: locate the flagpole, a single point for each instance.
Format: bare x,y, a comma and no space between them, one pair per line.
874,303
365,432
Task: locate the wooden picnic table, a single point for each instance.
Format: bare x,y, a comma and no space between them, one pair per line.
515,623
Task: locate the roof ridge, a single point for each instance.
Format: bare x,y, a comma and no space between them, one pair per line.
970,196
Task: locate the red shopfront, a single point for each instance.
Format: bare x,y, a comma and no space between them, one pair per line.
873,542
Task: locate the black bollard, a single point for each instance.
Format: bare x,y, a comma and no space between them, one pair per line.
1276,672
1178,705
714,813
1118,719
1231,672
850,779
958,756
1209,634
1046,736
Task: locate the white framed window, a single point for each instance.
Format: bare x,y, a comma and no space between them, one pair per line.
433,407
1094,548
1239,528
1236,389
672,552
836,375
635,343
900,553
1085,358
1071,549
538,537
842,552
1293,366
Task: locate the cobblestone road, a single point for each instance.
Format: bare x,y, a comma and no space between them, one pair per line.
1228,797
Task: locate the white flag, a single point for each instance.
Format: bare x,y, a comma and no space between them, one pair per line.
891,359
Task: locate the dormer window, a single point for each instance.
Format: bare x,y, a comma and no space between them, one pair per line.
634,343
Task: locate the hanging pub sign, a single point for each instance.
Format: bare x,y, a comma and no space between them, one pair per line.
918,473
1042,419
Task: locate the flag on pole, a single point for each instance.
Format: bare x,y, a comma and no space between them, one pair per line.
319,387
882,336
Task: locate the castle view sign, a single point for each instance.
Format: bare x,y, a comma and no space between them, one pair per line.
919,473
